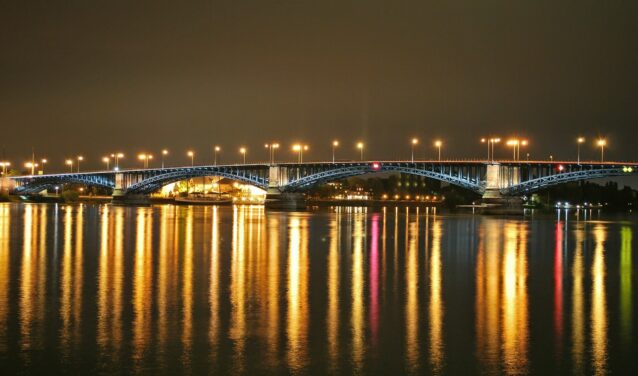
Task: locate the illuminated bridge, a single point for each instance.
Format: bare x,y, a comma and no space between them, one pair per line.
280,180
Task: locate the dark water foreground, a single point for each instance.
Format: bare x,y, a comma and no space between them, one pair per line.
102,289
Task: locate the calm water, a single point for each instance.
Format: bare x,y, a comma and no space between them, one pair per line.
102,289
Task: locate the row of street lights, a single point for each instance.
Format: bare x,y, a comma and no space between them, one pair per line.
300,149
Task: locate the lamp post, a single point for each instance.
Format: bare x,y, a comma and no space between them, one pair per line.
192,155
438,145
216,149
80,159
43,161
69,162
490,146
271,151
579,141
299,149
106,160
335,144
414,142
602,143
164,154
360,147
116,157
145,158
32,166
4,166
242,151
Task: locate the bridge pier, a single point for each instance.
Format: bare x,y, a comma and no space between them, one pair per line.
498,177
276,198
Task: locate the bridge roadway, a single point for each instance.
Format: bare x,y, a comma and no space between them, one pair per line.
488,178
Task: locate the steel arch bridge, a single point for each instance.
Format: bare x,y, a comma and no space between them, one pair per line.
464,175
153,180
508,178
38,183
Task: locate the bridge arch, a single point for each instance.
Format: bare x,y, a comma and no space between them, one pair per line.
461,177
156,182
31,185
536,184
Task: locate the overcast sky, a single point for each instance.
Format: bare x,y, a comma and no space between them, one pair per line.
93,77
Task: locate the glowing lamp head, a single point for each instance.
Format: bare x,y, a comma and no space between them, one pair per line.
164,152
415,141
69,162
438,143
359,145
335,143
190,153
242,150
376,166
602,142
581,140
296,147
105,159
217,148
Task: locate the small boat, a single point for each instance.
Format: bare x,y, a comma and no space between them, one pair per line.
200,199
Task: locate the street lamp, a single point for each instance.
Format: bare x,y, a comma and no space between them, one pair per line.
164,154
106,160
145,158
80,159
299,149
69,163
438,145
271,151
360,147
192,155
579,141
216,150
242,151
602,143
44,161
4,166
117,157
32,166
335,143
414,142
490,146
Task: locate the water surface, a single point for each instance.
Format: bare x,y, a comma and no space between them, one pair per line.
240,290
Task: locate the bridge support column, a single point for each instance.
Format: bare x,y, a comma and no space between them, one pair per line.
120,197
499,177
276,198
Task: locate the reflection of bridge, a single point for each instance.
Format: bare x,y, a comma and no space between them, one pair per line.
490,179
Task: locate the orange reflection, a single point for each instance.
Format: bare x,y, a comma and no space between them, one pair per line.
164,272
578,309
5,227
514,299
142,286
27,274
237,330
625,284
65,283
599,305
501,299
374,279
213,293
436,300
187,290
104,284
332,321
273,290
357,319
297,325
412,296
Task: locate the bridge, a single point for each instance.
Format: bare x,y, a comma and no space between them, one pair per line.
286,182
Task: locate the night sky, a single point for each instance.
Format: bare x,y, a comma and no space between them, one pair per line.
94,77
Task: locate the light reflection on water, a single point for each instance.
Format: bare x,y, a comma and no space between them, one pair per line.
350,290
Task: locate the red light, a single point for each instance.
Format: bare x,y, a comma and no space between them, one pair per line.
561,167
376,166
